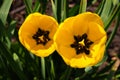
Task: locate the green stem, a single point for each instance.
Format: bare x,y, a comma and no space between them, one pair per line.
43,67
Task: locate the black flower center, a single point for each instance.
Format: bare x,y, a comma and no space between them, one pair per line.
81,44
41,36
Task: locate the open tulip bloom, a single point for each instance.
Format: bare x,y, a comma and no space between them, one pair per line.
80,40
37,32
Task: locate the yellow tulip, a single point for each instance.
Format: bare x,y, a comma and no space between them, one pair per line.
37,32
80,40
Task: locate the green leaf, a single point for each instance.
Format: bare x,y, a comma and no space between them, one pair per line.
4,10
106,10
43,5
11,29
112,16
52,69
28,4
58,9
83,5
100,7
37,6
7,54
54,9
87,69
73,11
66,74
4,67
112,34
115,2
64,7
2,30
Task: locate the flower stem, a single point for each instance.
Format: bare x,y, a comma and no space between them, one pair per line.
43,67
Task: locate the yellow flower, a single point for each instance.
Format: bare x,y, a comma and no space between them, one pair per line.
80,40
37,32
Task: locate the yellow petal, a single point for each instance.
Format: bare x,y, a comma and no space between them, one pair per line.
81,62
44,52
95,31
90,17
64,37
98,48
64,34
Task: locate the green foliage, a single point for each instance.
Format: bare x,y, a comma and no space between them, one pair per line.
16,63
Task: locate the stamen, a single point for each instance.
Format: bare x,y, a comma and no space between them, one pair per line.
82,44
41,36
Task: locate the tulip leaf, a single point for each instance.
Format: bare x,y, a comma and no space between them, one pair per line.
37,6
28,4
112,34
83,5
43,5
2,28
87,69
112,16
74,10
7,54
100,7
64,7
106,10
4,10
54,9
